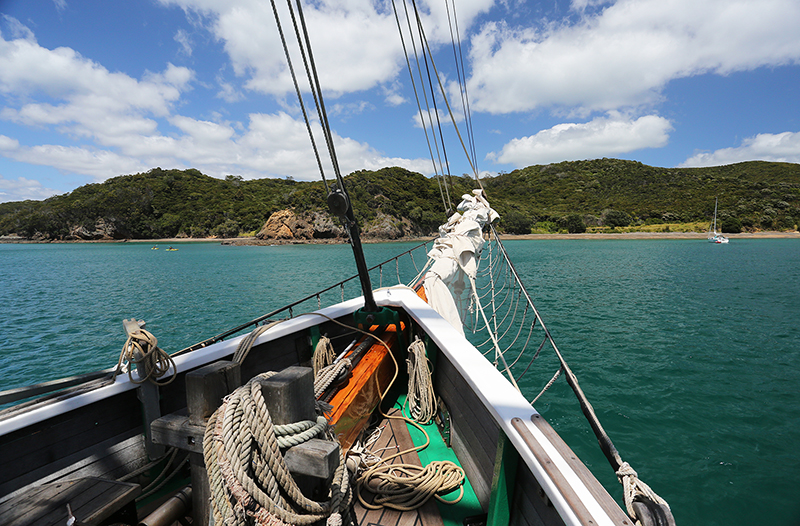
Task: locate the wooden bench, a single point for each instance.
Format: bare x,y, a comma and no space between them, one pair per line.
92,501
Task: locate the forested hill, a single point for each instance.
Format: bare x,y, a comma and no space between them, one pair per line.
566,196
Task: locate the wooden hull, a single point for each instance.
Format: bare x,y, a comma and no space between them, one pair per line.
100,433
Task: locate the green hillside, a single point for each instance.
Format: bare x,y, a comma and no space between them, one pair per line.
563,196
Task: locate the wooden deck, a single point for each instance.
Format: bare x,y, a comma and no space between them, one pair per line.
396,438
92,501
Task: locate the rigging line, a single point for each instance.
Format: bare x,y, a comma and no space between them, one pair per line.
608,448
299,95
445,203
498,354
436,141
323,115
466,92
447,103
535,355
461,76
527,340
425,55
428,111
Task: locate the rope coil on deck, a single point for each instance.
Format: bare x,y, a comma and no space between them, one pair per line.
248,477
421,398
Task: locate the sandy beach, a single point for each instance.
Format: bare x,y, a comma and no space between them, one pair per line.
504,237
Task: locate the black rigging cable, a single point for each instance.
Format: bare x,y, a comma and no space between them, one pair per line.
425,55
448,205
461,73
437,142
299,95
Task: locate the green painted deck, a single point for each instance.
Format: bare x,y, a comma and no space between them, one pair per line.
397,436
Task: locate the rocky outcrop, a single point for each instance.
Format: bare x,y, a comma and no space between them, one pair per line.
325,227
104,229
388,227
285,225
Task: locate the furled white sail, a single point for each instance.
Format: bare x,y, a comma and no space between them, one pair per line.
455,256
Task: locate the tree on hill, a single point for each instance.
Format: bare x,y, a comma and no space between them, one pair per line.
170,203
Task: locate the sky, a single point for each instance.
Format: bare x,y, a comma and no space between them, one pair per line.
94,89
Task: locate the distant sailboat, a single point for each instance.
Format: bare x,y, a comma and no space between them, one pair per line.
713,235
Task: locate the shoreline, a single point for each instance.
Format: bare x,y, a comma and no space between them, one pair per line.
505,237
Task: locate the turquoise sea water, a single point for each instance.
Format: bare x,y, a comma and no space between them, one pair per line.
689,352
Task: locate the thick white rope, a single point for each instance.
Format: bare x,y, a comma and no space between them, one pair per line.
420,398
247,474
330,373
633,487
323,354
141,349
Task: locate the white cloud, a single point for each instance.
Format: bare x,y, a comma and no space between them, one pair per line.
17,29
23,189
112,123
182,38
228,91
340,31
278,145
601,137
623,55
780,147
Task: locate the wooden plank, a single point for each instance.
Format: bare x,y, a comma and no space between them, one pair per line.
54,439
356,400
395,438
606,501
107,458
177,431
92,501
473,432
465,407
575,503
531,507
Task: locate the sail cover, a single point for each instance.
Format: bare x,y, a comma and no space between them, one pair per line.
455,256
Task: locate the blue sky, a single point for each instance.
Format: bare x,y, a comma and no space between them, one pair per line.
93,89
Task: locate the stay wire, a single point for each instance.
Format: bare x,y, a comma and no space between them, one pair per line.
299,95
461,75
445,201
326,128
447,103
425,55
437,141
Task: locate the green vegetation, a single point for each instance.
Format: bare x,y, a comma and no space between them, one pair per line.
597,195
753,195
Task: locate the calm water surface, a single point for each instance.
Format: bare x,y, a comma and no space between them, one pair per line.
689,352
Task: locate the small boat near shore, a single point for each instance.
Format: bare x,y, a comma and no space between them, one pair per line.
713,235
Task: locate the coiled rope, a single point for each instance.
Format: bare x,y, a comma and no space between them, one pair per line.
141,349
633,487
323,354
329,374
420,397
248,477
258,493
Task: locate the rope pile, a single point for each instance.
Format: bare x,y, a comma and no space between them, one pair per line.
420,398
249,480
403,486
407,486
141,349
